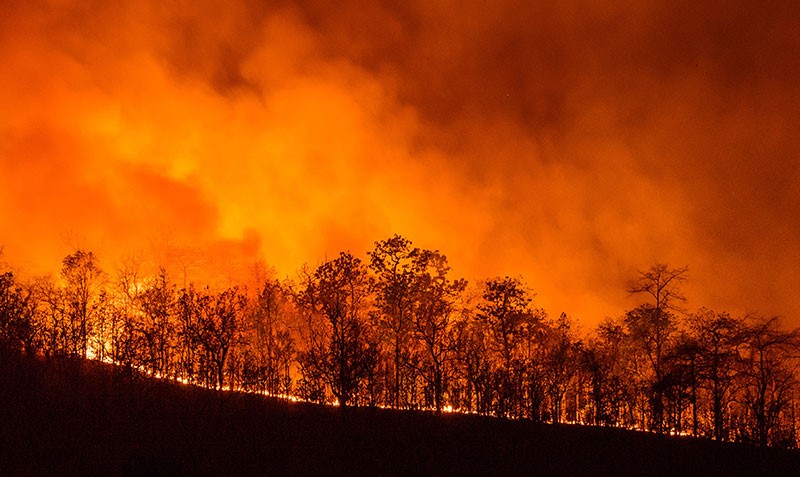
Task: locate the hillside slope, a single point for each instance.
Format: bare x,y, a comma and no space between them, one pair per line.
82,418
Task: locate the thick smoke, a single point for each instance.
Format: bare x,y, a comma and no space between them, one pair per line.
569,142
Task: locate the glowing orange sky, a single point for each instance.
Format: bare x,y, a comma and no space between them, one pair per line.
569,142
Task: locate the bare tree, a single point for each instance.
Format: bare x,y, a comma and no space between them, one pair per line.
652,324
662,284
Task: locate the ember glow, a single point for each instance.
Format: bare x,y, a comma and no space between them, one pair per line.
572,143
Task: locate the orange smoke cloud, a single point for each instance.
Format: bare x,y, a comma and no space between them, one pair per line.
568,143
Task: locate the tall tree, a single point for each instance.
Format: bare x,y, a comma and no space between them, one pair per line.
561,353
719,338
127,350
511,322
475,362
396,265
157,302
82,276
652,324
680,380
435,298
770,366
343,350
270,341
212,323
604,362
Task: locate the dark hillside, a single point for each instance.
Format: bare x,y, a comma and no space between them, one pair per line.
73,417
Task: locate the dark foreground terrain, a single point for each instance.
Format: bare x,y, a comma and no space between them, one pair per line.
84,418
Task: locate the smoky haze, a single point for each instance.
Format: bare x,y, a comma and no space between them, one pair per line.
571,142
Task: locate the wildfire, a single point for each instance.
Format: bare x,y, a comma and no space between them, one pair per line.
215,157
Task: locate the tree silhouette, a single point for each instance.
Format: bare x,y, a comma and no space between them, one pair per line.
157,328
475,363
718,337
403,333
769,377
396,266
342,350
211,325
605,363
652,324
435,298
512,326
680,381
82,275
270,344
561,359
17,310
